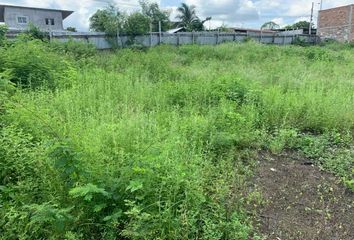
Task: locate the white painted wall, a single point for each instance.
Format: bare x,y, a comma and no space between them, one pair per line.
35,16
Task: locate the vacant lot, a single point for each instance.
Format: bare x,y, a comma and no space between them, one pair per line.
165,143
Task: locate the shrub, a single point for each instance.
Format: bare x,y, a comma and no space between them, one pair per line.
35,33
23,180
77,49
6,86
33,65
3,31
298,41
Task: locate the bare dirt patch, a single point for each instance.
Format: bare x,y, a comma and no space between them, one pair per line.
302,202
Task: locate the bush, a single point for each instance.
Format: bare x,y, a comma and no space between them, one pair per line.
33,65
77,49
23,180
3,31
35,33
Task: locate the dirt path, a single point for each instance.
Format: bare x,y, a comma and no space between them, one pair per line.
302,202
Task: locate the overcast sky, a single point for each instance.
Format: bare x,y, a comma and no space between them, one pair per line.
232,13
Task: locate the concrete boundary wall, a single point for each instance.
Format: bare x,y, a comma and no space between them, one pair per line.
201,38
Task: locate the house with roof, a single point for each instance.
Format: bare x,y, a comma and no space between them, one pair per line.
253,32
19,17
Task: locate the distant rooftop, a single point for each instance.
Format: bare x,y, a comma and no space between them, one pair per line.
65,13
253,30
176,30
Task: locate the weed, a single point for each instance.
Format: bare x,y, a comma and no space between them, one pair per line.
159,144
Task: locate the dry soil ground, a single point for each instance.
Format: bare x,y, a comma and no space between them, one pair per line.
301,201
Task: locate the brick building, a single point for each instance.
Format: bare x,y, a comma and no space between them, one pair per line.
337,23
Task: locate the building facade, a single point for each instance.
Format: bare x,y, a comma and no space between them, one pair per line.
19,18
337,23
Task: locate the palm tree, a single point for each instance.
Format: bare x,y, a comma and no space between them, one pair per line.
187,15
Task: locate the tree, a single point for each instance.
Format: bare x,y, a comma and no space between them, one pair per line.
136,24
108,20
198,25
188,17
300,25
270,25
156,15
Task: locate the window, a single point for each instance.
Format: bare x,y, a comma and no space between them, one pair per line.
49,21
22,20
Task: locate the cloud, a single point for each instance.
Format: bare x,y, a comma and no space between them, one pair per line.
229,12
279,21
246,13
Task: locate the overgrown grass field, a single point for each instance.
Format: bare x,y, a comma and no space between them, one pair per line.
161,143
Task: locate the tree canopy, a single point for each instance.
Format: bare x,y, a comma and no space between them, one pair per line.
300,25
111,20
136,24
189,19
270,25
156,15
108,20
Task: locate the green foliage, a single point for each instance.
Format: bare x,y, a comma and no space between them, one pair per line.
16,155
66,162
160,144
6,86
299,41
77,49
270,25
49,217
87,192
108,20
34,32
283,139
336,46
31,64
349,182
3,31
71,29
189,19
300,25
23,181
113,22
136,24
156,15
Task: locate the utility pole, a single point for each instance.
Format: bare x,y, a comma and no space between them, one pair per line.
311,19
150,34
118,37
160,32
321,4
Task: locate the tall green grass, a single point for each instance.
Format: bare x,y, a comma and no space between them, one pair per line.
160,144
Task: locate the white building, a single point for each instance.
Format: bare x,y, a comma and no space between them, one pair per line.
19,18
